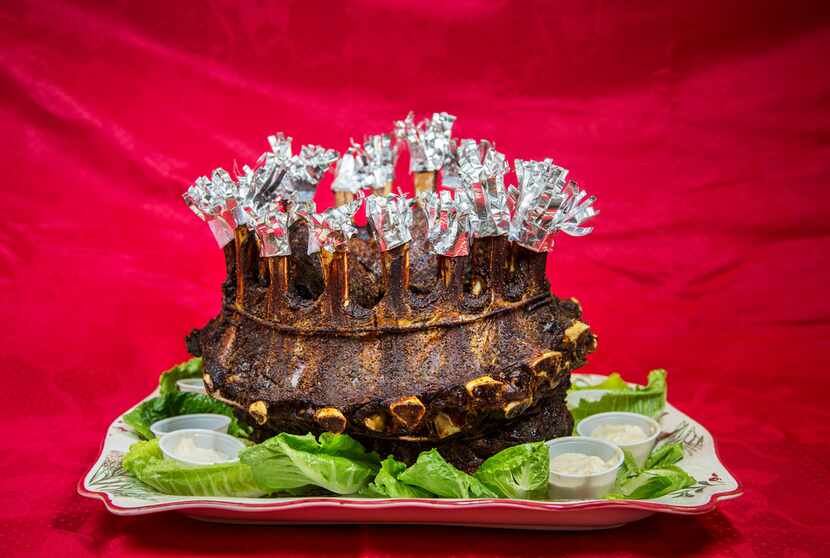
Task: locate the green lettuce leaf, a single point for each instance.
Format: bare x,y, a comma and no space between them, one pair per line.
517,472
649,400
180,403
432,473
667,454
613,382
146,462
629,466
653,483
659,476
189,369
289,462
140,454
387,485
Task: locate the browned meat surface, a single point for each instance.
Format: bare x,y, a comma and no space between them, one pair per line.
344,343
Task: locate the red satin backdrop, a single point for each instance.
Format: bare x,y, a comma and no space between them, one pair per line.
704,130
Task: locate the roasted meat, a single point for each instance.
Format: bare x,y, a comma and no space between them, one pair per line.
473,358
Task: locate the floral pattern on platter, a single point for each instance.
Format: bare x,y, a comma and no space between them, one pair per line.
112,478
124,495
692,491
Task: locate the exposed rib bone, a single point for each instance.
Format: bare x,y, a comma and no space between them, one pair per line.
424,182
259,410
395,273
408,410
247,263
451,272
383,190
342,198
239,239
336,278
331,419
277,285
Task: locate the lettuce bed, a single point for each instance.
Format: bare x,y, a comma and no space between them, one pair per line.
295,465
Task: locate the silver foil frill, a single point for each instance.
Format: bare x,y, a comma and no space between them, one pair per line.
254,188
299,210
270,222
451,174
482,170
544,204
270,176
225,203
308,168
351,173
245,191
450,223
429,140
225,189
380,156
212,207
280,147
333,227
391,217
575,210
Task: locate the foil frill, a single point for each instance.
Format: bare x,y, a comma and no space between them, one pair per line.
270,222
450,222
299,210
380,156
482,170
280,147
351,174
269,177
429,140
308,168
226,190
451,174
544,204
333,227
212,206
391,217
257,187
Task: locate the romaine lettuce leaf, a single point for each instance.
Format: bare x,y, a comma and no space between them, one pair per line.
146,462
613,382
140,454
180,403
653,483
432,473
657,478
288,462
667,454
190,369
387,485
517,472
649,400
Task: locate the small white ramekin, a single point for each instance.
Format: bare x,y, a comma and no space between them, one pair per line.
200,421
191,385
567,486
639,450
225,444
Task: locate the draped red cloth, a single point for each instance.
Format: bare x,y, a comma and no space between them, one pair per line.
703,128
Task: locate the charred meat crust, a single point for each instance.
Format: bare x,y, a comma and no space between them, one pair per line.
464,377
478,363
546,420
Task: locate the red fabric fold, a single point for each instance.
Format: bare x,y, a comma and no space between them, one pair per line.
703,129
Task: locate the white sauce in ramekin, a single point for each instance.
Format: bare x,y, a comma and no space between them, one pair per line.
579,464
620,434
187,449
